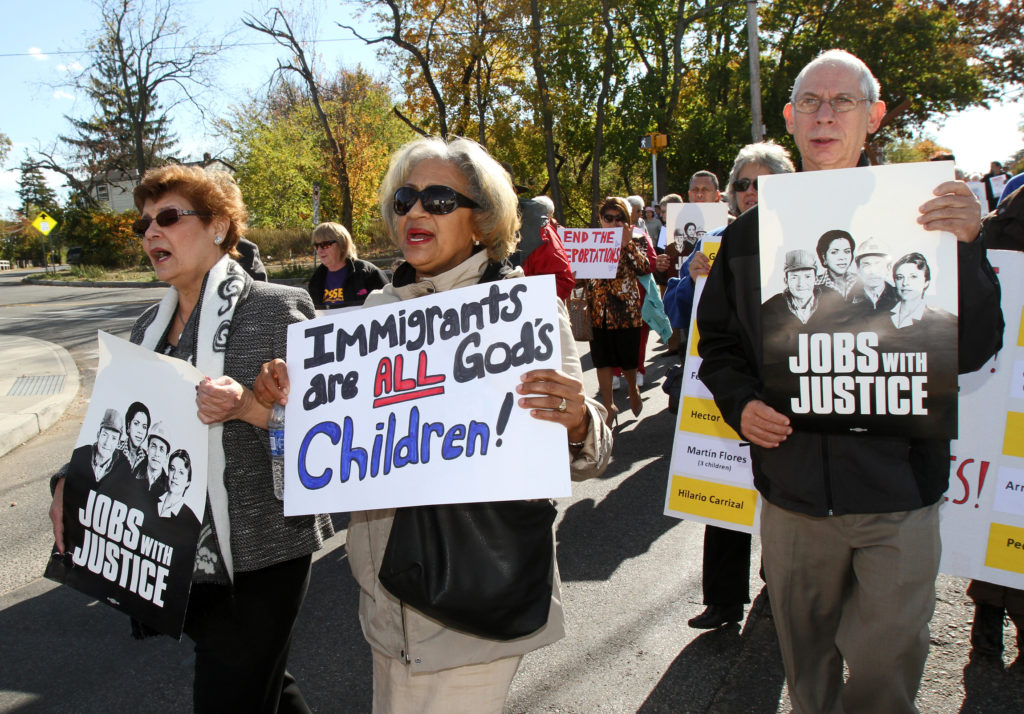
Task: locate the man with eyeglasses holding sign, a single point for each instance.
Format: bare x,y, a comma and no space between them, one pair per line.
849,525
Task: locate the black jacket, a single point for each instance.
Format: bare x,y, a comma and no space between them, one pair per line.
820,473
363,278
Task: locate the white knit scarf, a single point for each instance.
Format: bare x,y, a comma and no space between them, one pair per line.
224,283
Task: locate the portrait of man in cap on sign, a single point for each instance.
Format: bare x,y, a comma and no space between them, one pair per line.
101,462
872,294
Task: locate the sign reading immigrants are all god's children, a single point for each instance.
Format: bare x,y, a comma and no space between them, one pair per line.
415,402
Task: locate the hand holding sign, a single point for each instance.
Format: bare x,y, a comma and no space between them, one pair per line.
57,515
271,383
562,401
955,210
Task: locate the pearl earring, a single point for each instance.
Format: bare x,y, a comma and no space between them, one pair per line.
476,242
218,240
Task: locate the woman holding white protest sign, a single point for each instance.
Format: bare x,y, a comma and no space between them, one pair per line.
615,311
452,210
251,560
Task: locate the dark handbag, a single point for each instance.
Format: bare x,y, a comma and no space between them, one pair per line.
481,568
579,315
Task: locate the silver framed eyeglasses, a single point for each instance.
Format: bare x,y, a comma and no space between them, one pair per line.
810,104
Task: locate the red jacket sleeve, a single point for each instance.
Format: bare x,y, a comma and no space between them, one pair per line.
549,258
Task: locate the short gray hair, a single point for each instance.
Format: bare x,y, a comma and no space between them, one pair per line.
497,216
636,203
868,84
549,205
670,198
765,153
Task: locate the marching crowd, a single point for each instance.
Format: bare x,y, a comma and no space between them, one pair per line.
849,529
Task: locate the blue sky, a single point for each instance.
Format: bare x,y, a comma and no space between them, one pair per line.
37,50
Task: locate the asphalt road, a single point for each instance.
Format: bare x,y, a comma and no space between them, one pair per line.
631,580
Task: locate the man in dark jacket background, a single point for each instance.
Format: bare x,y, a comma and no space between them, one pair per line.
849,525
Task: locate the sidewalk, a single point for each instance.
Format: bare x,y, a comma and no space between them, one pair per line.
38,380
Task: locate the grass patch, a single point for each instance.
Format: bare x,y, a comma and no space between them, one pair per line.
96,273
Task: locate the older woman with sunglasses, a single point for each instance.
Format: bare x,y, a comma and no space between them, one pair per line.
341,279
615,310
251,560
452,210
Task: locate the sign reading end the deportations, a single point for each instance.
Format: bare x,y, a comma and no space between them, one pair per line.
415,402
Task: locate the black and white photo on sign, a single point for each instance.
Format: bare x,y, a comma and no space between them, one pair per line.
135,487
687,223
859,303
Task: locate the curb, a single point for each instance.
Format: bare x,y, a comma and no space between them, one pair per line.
127,284
94,283
22,425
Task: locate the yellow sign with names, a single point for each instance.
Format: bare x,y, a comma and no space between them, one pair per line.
1005,548
44,223
710,499
1013,438
702,417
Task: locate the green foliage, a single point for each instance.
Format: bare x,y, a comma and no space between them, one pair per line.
282,243
34,191
279,152
106,237
682,68
5,148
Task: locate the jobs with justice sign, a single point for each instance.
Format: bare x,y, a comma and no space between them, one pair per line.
135,487
414,402
859,302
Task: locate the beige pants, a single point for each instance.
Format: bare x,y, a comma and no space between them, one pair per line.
859,588
472,689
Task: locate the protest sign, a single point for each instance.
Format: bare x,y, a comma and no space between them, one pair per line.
859,311
978,189
710,480
135,489
686,223
415,402
982,514
997,183
592,252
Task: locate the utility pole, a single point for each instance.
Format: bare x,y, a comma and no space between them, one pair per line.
754,47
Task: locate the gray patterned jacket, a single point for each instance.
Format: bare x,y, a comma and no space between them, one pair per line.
260,534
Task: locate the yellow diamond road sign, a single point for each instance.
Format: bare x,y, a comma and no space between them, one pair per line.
44,223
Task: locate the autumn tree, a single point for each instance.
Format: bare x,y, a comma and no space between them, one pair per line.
278,151
142,63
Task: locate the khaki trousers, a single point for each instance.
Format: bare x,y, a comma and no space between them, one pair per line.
470,689
859,588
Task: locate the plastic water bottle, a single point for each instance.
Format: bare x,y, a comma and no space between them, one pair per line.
275,425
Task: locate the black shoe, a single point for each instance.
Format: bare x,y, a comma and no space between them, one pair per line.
987,632
716,616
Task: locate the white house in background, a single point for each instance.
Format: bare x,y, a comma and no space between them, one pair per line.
114,190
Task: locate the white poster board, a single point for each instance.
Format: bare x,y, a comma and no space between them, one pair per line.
978,189
686,223
709,480
840,360
982,514
415,402
135,490
592,252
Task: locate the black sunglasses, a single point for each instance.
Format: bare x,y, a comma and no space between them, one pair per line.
612,218
166,217
323,244
741,185
439,200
